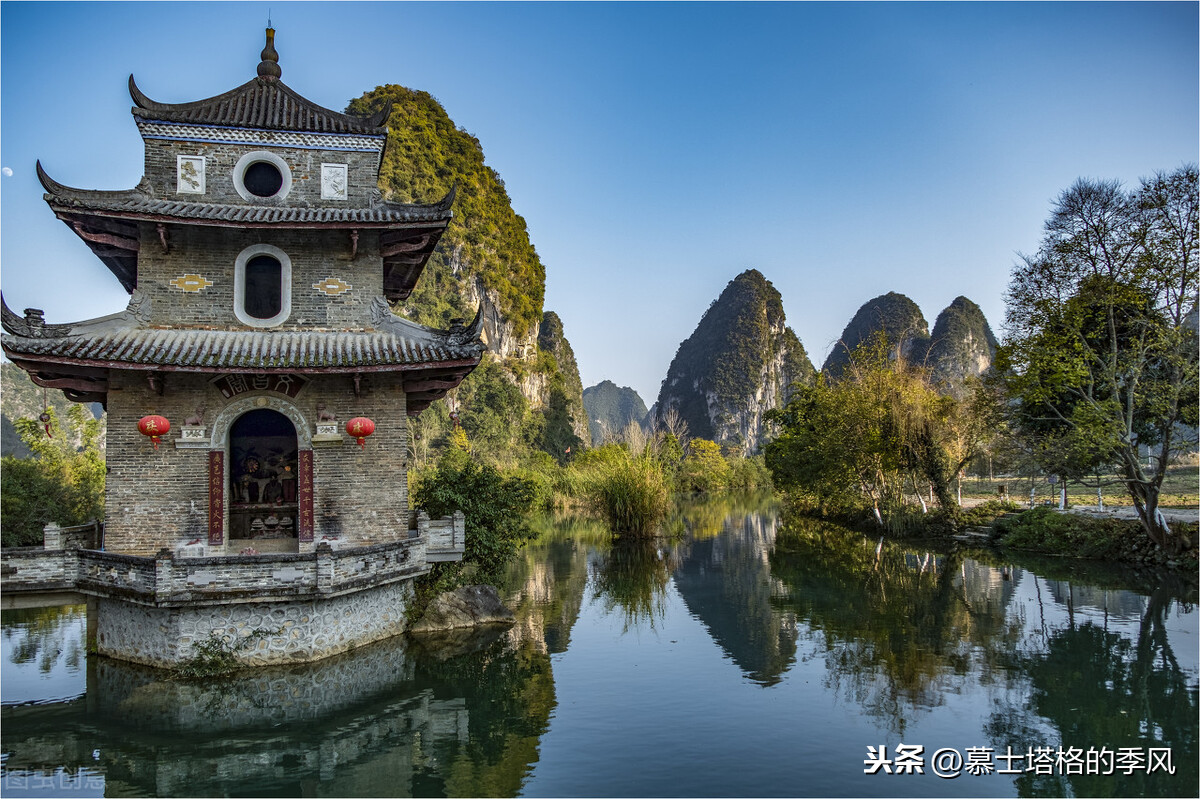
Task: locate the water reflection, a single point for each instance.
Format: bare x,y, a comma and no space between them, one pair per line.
1097,686
838,640
631,578
898,628
725,580
49,644
381,721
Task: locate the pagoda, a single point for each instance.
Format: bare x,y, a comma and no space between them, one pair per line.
258,384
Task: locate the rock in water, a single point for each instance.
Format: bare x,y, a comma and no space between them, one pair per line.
469,606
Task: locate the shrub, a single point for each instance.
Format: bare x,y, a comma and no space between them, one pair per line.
749,474
217,655
494,506
1046,530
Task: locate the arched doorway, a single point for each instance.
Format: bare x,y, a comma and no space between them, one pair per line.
263,470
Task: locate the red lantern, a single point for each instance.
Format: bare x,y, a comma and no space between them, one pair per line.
154,426
359,428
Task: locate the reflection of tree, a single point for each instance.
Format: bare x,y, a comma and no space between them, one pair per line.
726,583
1101,689
546,581
703,519
896,624
45,635
633,576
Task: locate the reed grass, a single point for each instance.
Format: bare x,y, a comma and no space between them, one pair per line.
631,493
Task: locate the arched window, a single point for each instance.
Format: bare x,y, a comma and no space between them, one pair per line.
262,289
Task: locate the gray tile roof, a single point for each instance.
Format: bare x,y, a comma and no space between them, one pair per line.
259,103
139,203
240,350
123,340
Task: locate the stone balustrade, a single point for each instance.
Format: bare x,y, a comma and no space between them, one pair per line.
446,536
171,579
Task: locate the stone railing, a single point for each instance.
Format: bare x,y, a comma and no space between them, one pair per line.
27,569
70,561
446,536
80,536
167,580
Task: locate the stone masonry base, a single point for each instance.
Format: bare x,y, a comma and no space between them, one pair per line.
293,631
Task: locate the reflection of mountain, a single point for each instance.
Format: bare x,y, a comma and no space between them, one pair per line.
726,583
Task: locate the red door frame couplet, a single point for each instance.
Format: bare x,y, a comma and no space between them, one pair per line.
216,498
304,494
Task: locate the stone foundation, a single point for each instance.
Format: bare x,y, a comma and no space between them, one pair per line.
299,631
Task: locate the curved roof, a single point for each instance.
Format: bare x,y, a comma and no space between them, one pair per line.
263,103
140,203
77,357
122,339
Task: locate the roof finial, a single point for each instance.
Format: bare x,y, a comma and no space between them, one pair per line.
268,68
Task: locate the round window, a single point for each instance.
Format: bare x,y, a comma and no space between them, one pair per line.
263,179
262,175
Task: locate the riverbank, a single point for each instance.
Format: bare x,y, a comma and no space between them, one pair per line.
1113,535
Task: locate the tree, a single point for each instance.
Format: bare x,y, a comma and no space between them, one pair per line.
61,483
704,469
1100,356
878,428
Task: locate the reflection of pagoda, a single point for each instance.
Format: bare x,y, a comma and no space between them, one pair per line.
261,260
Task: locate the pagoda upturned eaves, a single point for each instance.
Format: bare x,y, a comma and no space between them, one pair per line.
159,223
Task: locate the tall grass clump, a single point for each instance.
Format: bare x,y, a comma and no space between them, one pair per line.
630,492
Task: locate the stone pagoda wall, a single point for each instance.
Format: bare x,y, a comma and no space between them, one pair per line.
220,161
160,498
192,284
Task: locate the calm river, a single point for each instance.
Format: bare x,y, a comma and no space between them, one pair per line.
748,656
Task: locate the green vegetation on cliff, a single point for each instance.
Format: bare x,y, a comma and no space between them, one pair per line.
962,345
427,156
528,394
741,354
895,316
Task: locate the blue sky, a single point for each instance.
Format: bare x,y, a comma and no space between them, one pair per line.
655,150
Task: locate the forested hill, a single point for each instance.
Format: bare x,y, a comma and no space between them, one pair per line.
611,409
894,315
962,345
740,362
485,251
486,243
